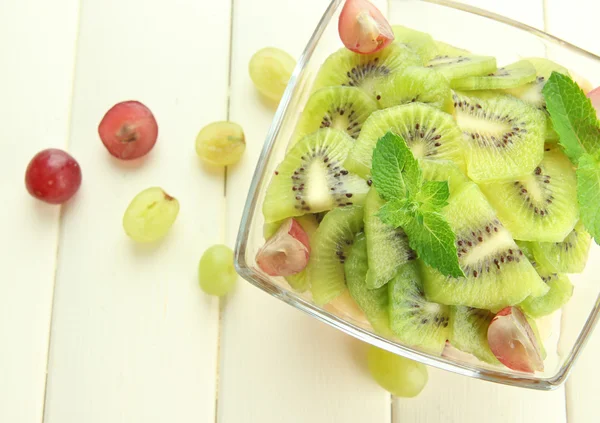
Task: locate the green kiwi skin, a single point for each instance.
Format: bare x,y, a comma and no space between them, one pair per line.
373,302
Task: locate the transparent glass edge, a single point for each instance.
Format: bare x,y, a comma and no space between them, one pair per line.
256,279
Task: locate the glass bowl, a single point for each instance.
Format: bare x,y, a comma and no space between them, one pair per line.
566,331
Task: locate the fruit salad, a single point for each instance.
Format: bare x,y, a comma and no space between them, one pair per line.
438,191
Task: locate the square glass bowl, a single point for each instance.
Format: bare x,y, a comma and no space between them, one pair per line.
566,331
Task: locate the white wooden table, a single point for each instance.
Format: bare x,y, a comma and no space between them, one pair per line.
97,330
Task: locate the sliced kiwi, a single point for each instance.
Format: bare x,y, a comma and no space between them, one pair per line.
416,84
343,108
299,281
364,70
430,134
414,320
421,42
504,136
444,170
560,291
496,272
568,256
445,49
541,206
329,249
461,66
511,76
468,332
387,247
373,302
532,92
311,179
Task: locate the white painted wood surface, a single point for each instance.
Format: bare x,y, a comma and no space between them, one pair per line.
133,339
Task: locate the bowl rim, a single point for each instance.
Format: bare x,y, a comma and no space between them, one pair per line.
266,285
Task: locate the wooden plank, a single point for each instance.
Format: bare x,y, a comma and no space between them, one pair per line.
277,363
575,22
450,397
134,339
37,40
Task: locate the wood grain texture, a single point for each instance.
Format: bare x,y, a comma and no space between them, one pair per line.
134,339
277,363
35,92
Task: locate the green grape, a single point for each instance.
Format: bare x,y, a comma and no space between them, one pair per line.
221,143
398,375
216,273
150,215
270,69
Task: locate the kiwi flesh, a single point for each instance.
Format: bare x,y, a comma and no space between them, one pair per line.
445,49
568,256
364,71
461,66
298,281
421,42
496,272
541,206
373,302
468,332
511,76
560,291
504,136
338,107
387,247
444,170
430,133
414,320
311,179
416,84
329,249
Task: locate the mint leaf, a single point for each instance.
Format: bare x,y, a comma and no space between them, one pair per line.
573,117
433,195
588,194
395,171
434,242
397,213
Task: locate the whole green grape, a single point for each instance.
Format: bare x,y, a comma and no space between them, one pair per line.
150,215
398,375
221,143
270,70
216,272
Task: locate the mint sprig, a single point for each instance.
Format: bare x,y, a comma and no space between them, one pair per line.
574,119
414,205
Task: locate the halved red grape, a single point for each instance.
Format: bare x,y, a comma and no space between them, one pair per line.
53,176
594,96
128,130
513,341
285,253
363,28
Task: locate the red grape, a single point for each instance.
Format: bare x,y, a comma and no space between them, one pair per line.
128,130
363,28
53,176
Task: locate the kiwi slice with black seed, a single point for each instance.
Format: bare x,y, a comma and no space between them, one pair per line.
444,170
504,135
511,76
329,248
532,92
342,108
421,42
364,71
461,66
468,332
373,302
560,292
568,256
311,179
387,247
445,49
416,84
541,206
414,320
430,133
298,281
496,272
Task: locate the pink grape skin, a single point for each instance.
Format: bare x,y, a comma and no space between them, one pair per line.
53,176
